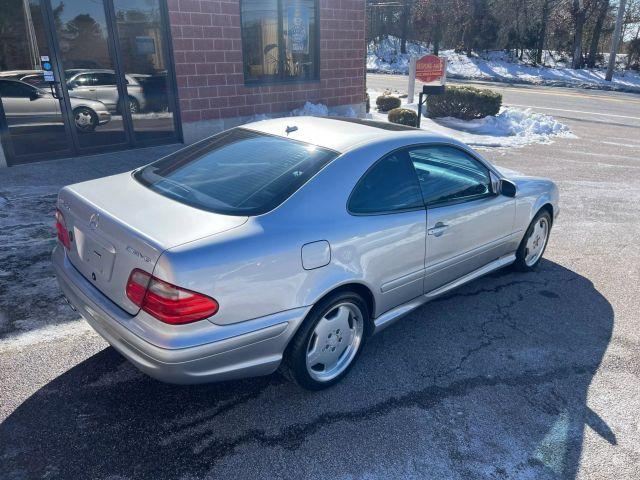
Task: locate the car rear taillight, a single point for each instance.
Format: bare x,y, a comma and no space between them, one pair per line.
61,229
166,302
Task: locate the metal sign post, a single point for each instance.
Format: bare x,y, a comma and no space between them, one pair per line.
412,80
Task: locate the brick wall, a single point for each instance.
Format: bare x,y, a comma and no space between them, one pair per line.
207,49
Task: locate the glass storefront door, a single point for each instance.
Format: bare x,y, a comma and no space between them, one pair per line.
85,56
112,85
145,63
33,118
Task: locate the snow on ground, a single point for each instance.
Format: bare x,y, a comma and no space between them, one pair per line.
512,127
45,334
499,66
29,292
385,57
32,308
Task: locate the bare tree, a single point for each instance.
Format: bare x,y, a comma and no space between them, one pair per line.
406,14
579,14
603,10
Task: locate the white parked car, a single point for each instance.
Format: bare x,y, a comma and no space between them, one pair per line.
26,106
101,85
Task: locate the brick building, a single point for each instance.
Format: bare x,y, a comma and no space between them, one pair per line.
79,78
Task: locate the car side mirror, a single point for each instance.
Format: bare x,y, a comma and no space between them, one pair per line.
34,95
508,188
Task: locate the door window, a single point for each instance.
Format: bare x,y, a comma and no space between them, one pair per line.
105,79
449,175
389,186
85,80
104,53
31,132
84,39
144,47
14,89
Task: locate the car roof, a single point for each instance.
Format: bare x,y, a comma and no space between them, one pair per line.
340,133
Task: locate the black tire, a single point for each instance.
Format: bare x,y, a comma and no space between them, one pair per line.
85,119
521,263
294,365
134,105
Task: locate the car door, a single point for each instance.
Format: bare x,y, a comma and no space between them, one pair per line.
390,217
468,224
15,102
106,89
26,105
82,86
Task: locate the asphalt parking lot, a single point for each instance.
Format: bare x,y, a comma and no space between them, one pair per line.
527,376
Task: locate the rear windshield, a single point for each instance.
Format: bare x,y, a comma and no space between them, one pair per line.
237,172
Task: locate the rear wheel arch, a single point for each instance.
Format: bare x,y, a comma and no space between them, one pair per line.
295,362
360,289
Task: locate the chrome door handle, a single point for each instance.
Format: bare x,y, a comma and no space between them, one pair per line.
438,229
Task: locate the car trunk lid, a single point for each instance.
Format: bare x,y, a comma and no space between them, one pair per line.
117,225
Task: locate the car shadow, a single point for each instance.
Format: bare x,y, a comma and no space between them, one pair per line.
488,382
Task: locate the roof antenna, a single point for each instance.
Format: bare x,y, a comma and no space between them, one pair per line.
291,129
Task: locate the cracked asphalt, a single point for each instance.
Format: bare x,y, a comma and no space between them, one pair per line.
526,376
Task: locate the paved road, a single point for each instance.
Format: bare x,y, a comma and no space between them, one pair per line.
513,376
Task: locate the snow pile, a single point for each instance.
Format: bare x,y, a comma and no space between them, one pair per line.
510,122
497,65
512,127
313,109
321,110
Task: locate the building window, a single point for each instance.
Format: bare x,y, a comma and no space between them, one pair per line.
280,40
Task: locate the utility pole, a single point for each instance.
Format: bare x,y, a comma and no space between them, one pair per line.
615,42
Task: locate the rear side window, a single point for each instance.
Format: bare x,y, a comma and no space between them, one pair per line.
237,172
389,186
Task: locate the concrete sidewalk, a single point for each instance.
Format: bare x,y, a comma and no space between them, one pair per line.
29,295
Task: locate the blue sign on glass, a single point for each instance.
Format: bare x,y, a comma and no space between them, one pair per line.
298,29
47,68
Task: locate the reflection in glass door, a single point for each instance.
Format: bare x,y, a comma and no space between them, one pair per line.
86,60
143,54
113,77
33,113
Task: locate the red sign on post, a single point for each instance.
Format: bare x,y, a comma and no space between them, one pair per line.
430,68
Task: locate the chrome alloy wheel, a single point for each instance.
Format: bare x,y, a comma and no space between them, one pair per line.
335,342
83,119
536,242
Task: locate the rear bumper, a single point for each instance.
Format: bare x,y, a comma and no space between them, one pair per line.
251,348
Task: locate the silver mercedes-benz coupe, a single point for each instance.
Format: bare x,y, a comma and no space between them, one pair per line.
287,243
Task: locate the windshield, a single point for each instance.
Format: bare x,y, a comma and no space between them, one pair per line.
237,172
